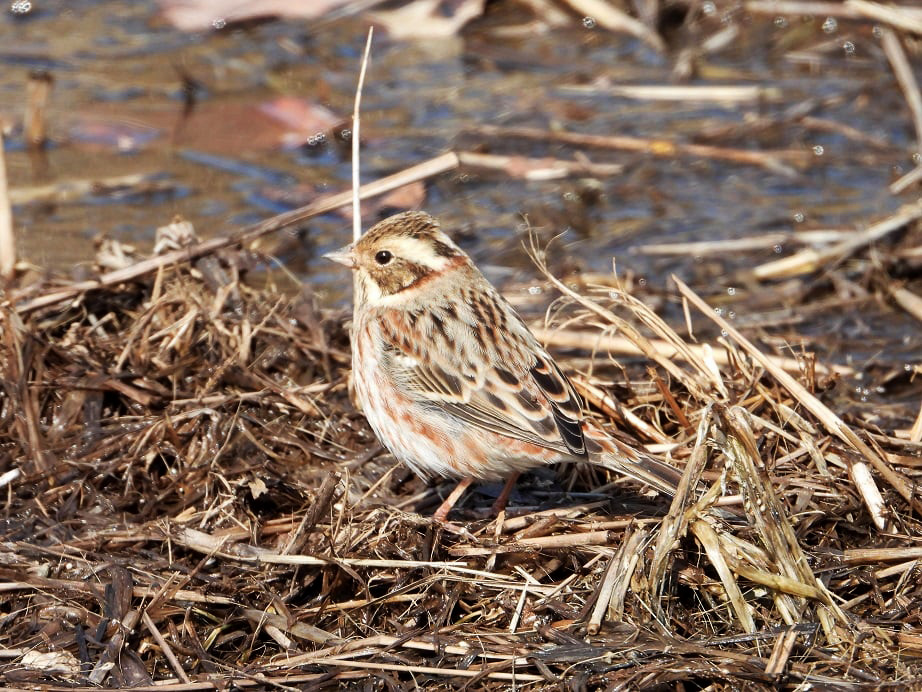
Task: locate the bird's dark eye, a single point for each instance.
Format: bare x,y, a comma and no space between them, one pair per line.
382,257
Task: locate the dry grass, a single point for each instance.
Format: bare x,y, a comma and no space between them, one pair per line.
190,500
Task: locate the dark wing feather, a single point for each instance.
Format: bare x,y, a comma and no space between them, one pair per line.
565,403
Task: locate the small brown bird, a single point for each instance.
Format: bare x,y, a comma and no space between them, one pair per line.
450,378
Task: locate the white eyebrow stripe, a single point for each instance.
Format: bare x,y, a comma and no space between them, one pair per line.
417,251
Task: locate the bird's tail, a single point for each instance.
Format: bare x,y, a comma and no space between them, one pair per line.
616,456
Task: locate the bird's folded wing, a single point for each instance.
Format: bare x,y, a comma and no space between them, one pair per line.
516,390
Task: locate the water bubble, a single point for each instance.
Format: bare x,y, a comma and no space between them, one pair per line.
345,133
709,9
589,22
125,143
907,367
849,48
877,31
569,196
731,291
732,314
917,158
781,22
880,389
534,290
719,312
218,23
724,333
830,25
21,7
778,248
799,217
641,282
818,150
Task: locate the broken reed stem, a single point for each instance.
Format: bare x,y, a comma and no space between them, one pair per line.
903,18
906,79
906,180
708,538
7,239
915,433
38,89
810,259
614,19
675,523
165,647
627,559
356,142
774,160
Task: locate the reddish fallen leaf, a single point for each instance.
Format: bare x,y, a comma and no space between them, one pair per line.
219,126
303,119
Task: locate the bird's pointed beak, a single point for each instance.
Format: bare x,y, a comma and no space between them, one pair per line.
343,256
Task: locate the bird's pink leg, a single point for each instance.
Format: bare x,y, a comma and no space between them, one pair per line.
441,514
500,503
